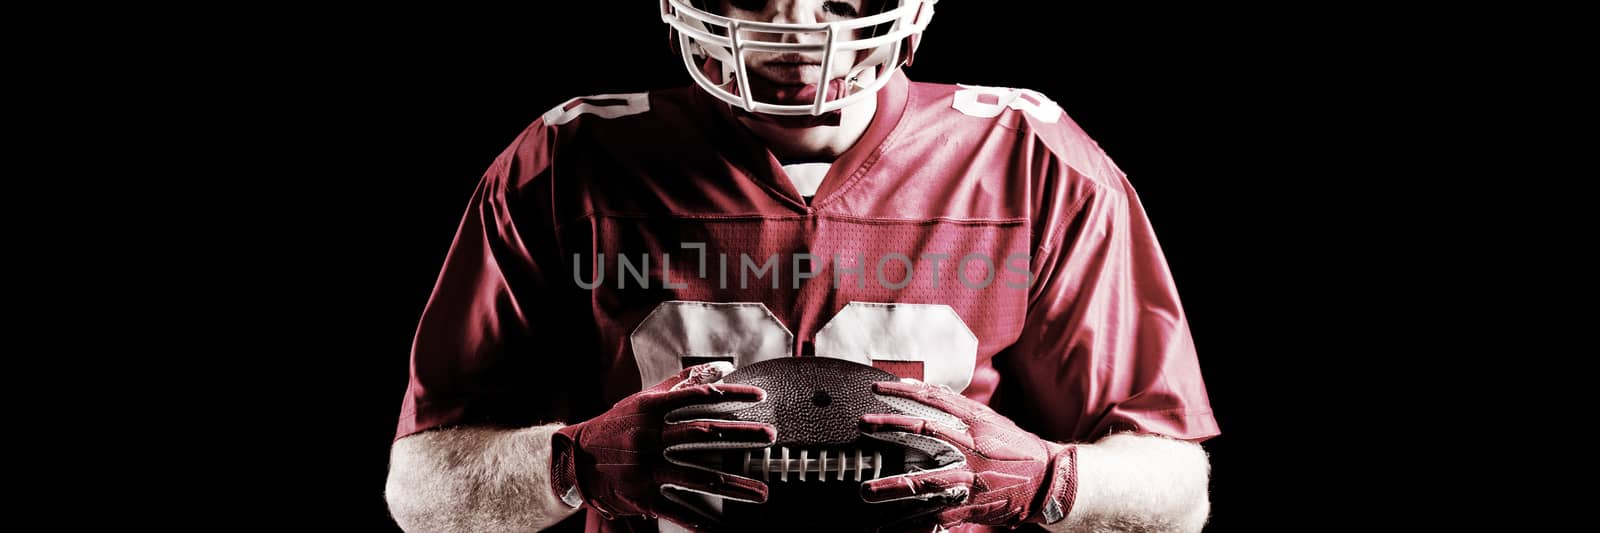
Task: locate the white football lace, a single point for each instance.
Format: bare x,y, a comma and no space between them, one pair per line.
842,463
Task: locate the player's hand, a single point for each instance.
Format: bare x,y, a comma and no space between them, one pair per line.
1007,477
616,461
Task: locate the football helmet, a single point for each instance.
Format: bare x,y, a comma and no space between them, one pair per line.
716,50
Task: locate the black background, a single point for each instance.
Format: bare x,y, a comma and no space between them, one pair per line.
377,128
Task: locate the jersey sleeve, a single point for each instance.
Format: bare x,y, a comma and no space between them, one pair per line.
478,355
1105,347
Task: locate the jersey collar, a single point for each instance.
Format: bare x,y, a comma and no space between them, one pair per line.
747,153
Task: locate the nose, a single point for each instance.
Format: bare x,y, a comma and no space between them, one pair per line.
798,12
789,12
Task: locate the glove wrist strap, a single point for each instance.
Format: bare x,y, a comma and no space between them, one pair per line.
564,466
1061,489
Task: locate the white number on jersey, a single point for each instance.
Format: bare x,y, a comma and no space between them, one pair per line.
970,101
631,104
931,336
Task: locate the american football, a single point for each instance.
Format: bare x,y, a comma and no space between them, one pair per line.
815,469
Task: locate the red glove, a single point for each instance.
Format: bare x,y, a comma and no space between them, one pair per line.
1005,476
616,462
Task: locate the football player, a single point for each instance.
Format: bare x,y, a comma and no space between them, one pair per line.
803,198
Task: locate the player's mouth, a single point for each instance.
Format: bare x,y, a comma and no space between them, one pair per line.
792,69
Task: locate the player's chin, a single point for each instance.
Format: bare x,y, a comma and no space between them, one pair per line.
787,73
791,93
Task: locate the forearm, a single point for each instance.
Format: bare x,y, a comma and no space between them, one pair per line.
474,479
1139,483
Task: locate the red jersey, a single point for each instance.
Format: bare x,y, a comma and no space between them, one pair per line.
973,237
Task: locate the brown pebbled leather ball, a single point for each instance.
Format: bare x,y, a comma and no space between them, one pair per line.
814,401
815,468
